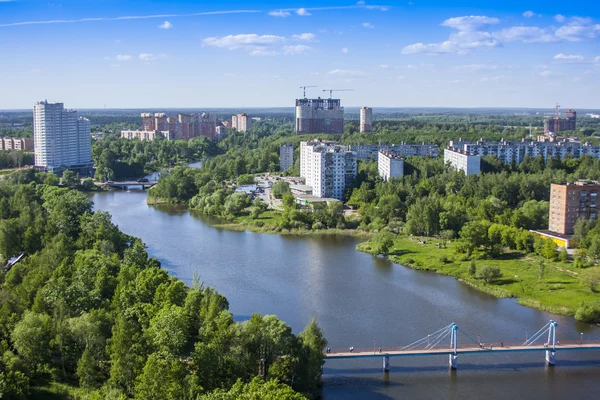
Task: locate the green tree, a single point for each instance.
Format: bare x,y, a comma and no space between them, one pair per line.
280,188
541,270
382,242
258,207
489,274
472,268
563,255
32,338
70,178
169,331
548,250
256,389
592,278
246,179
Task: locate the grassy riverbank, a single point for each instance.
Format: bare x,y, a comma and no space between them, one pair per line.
561,290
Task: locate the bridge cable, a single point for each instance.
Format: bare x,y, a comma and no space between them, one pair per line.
536,335
413,344
439,340
467,335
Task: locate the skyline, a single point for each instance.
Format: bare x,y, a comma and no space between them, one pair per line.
239,55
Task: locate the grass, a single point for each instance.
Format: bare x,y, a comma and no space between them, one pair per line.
561,290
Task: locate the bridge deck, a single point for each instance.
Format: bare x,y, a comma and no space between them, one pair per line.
464,349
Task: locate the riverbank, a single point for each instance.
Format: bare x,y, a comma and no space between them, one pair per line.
560,290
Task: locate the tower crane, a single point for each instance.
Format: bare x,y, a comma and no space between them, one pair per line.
304,89
336,90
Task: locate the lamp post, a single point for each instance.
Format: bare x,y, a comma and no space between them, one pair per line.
374,347
526,336
581,339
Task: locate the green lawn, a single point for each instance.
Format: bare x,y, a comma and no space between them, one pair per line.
560,291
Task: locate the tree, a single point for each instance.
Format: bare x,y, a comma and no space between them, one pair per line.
541,270
592,278
256,389
472,268
548,250
381,243
32,337
169,331
563,255
489,274
258,207
245,179
70,178
312,360
280,188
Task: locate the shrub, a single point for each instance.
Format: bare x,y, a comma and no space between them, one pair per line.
489,274
588,313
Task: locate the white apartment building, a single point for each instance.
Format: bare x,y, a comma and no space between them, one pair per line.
62,139
462,160
366,119
241,122
327,167
286,156
366,152
514,152
390,165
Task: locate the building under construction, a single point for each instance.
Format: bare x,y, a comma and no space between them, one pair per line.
319,116
557,124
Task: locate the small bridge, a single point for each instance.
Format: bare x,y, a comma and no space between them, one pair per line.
124,185
435,344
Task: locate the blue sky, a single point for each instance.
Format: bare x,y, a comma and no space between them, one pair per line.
135,54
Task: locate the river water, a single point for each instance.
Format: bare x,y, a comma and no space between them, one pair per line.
359,299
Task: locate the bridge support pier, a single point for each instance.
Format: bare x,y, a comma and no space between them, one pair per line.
386,364
550,357
453,361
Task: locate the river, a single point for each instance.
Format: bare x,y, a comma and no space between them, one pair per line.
358,299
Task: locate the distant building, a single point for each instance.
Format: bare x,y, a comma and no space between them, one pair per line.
327,167
514,152
462,160
558,124
390,165
241,122
286,156
16,144
366,119
319,116
183,127
366,152
569,202
62,139
221,131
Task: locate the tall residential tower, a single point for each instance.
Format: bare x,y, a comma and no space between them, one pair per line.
366,119
62,139
319,116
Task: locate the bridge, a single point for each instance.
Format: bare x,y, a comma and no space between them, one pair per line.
435,344
123,185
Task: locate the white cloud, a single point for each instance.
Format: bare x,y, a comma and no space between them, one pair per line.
345,73
166,25
547,74
303,12
493,79
345,50
418,66
384,66
368,25
152,57
361,3
470,23
126,18
568,57
559,18
459,42
309,37
256,45
280,13
578,29
529,14
525,34
477,67
296,49
124,57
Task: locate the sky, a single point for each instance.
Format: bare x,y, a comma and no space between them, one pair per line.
200,54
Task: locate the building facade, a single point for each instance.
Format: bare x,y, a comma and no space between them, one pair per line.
366,119
62,139
16,144
319,116
182,127
241,122
286,156
366,152
559,124
390,165
569,202
327,167
462,160
514,152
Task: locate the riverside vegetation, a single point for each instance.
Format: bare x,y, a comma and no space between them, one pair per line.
87,314
485,219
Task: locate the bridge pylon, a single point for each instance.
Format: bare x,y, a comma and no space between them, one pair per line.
551,353
453,358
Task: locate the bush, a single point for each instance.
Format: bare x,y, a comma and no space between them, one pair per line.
317,226
444,259
489,274
588,313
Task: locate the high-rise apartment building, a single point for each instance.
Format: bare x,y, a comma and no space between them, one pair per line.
366,119
569,202
62,139
319,116
390,165
327,167
241,122
462,160
184,127
286,156
558,124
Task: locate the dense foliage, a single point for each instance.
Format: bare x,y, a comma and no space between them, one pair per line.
88,309
15,159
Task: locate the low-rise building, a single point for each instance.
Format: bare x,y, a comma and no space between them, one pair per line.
366,152
16,144
146,135
461,160
286,156
390,165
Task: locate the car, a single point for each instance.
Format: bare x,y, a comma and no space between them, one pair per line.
143,180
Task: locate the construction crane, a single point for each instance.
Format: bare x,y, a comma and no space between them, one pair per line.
336,90
304,89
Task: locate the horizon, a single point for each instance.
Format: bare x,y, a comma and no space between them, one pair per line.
419,54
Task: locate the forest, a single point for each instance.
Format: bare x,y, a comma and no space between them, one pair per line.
87,314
